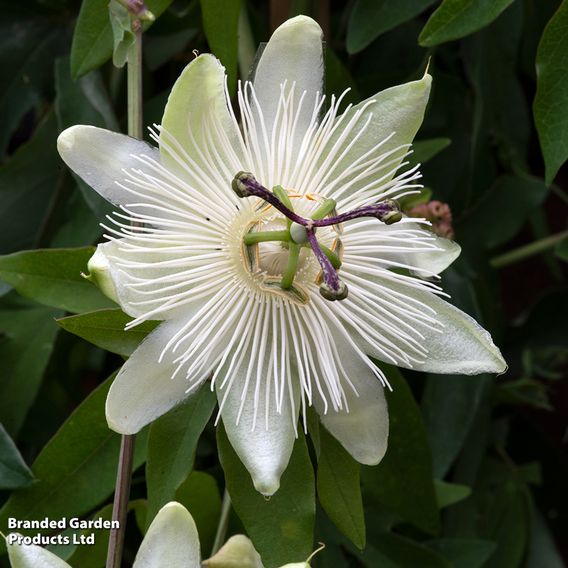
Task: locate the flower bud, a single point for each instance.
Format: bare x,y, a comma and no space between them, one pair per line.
237,552
99,274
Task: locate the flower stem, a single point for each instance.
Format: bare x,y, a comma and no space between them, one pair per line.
134,87
120,505
526,251
124,473
223,523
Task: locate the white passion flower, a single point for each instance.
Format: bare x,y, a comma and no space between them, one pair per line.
241,267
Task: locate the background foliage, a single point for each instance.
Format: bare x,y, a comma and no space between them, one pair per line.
476,470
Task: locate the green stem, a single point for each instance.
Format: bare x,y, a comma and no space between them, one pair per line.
526,251
134,88
266,236
124,474
223,523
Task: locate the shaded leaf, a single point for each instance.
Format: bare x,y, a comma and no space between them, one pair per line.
172,442
550,106
458,18
449,493
76,470
424,150
281,528
27,183
371,18
93,40
449,406
14,471
84,101
464,553
339,489
561,249
200,495
29,334
28,46
105,329
404,552
53,277
402,482
221,26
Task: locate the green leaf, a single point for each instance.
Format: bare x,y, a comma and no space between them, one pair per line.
221,26
281,528
455,19
14,472
402,482
76,470
28,182
200,495
171,447
53,277
93,555
551,100
424,150
519,195
339,489
29,45
93,40
462,552
371,18
406,553
449,493
105,329
449,406
28,336
84,101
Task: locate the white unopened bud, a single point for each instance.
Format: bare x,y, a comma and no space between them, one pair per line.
99,274
237,552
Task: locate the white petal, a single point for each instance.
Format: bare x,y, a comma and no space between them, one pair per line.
98,157
396,112
199,94
294,54
33,556
263,446
442,252
460,346
171,540
144,388
363,429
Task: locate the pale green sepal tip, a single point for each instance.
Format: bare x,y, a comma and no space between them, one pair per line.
32,556
238,551
99,274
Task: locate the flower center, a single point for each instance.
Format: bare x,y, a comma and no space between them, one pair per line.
275,244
